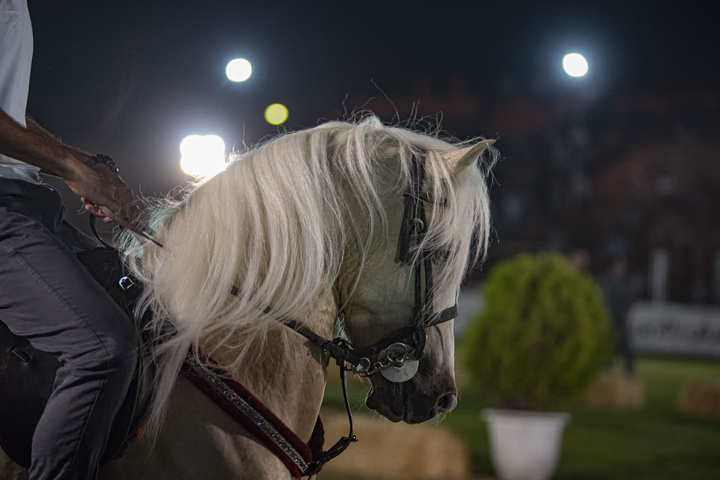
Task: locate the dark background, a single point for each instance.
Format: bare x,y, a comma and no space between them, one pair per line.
131,79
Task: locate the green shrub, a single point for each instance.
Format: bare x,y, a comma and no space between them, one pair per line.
542,335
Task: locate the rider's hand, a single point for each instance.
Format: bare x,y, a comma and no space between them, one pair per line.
102,191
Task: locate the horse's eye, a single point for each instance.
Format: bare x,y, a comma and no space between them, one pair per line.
442,255
438,202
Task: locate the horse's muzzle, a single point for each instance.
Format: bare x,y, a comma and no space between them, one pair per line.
403,401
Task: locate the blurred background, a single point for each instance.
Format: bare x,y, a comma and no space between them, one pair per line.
620,160
617,161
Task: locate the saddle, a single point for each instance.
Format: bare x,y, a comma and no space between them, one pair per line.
27,374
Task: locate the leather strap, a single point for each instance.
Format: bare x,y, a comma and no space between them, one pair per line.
407,331
250,413
302,459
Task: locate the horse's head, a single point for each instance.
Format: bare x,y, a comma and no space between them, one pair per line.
315,215
399,310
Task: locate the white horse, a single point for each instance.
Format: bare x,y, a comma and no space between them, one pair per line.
305,227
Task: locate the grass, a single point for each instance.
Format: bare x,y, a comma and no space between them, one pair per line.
655,443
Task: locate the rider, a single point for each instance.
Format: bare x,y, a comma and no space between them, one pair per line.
46,295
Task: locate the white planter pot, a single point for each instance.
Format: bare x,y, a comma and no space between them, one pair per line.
524,445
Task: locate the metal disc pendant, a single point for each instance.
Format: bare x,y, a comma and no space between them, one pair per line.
401,374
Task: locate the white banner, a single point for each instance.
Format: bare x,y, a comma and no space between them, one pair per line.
675,329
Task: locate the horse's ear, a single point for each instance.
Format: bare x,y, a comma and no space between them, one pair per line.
456,161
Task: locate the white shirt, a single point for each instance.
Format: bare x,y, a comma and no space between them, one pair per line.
16,49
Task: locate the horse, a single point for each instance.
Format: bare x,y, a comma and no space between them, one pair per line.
355,228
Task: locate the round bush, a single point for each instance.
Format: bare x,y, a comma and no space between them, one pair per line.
543,333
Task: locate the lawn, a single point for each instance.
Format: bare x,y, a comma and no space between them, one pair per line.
656,443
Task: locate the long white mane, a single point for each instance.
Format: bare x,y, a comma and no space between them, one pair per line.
280,222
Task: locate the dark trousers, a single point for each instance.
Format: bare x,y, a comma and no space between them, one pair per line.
48,297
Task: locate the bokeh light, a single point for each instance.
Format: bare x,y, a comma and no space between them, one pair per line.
575,65
202,155
238,70
276,114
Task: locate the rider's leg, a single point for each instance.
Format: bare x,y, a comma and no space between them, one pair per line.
48,297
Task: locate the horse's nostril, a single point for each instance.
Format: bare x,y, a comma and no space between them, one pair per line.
373,400
447,403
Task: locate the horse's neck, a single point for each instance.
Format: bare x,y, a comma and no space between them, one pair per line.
289,375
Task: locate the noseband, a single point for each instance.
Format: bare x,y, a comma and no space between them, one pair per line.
397,355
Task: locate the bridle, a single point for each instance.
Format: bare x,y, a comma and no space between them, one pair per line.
396,356
397,360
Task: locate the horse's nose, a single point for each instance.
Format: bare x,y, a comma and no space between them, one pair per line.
447,402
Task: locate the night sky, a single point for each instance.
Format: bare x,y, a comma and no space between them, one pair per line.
131,79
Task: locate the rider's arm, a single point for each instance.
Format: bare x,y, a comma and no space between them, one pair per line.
37,147
96,186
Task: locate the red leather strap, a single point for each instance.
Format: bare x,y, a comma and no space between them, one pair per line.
254,416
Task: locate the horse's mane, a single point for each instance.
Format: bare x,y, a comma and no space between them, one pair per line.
279,223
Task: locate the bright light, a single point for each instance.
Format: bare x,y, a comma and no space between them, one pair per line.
575,65
238,70
202,156
276,114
